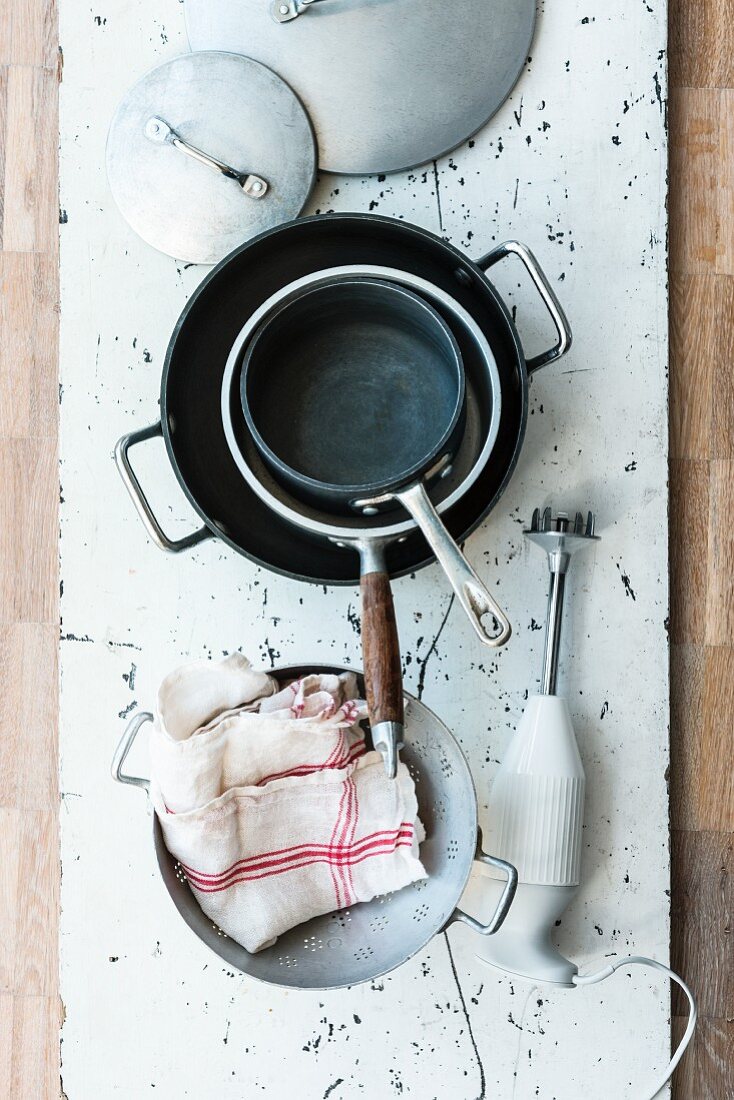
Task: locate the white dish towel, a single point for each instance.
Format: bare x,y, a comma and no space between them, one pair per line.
270,802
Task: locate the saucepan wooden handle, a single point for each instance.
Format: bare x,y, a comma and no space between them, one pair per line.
382,666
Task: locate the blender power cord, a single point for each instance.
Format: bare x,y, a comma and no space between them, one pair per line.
639,960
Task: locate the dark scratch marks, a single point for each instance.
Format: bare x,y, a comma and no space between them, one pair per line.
129,677
514,201
629,590
604,710
432,649
438,195
126,710
354,620
335,1085
472,1040
75,638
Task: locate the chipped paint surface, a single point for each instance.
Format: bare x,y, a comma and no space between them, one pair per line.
573,164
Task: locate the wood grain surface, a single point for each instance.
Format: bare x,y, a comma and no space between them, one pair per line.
29,495
701,119
701,113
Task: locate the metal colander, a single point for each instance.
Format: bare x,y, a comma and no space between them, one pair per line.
361,943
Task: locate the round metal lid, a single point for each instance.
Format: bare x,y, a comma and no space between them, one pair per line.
208,150
389,84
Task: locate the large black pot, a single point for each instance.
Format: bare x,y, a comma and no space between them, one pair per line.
191,421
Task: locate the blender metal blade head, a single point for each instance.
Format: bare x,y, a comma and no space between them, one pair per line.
559,537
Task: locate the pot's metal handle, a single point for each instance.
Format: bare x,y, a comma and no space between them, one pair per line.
505,902
139,499
126,743
548,295
470,592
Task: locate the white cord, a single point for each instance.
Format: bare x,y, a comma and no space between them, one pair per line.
639,960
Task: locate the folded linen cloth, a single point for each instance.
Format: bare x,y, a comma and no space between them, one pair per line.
261,860
221,724
267,798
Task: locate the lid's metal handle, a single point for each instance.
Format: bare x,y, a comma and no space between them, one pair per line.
283,11
505,902
139,499
546,292
158,131
126,743
470,592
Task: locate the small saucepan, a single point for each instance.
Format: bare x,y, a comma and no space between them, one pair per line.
353,389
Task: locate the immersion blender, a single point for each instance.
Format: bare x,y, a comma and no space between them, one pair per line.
536,809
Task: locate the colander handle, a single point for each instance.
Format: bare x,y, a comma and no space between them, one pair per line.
126,743
503,905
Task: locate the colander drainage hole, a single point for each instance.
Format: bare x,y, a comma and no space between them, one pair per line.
363,953
421,912
447,767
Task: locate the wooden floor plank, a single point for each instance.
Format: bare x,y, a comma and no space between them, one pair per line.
703,948
687,677
707,1070
29,391
720,567
701,46
29,531
28,710
695,353
29,1028
694,162
30,222
725,233
689,556
722,389
28,32
29,899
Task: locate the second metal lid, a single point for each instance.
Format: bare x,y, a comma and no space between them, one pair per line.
388,84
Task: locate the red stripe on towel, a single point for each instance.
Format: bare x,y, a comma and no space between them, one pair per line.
284,859
376,849
339,817
346,757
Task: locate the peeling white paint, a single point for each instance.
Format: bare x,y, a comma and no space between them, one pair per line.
573,164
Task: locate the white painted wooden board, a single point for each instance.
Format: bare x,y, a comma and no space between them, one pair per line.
573,164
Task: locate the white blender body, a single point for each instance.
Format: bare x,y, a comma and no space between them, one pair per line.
537,810
536,813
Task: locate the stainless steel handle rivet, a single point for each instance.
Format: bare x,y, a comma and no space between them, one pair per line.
283,13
